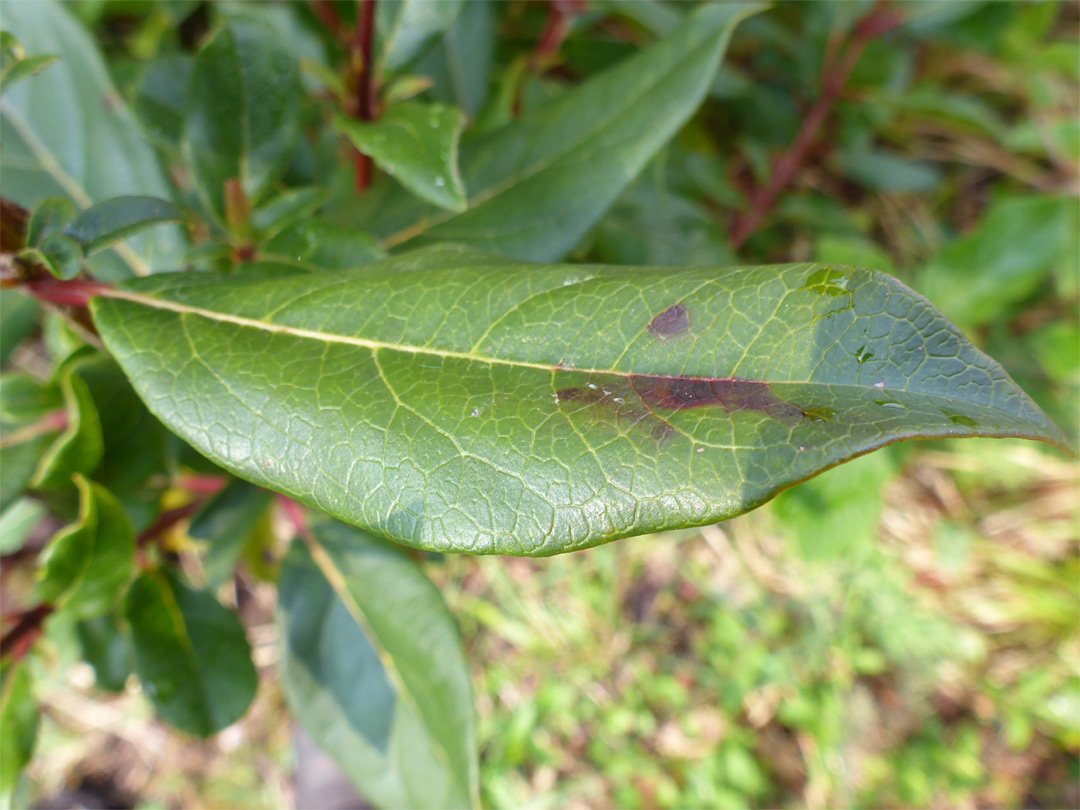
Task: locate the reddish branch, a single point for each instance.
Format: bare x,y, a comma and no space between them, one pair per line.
361,102
26,631
327,15
880,19
166,520
561,14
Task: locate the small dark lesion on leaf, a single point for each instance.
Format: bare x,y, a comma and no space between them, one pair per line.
670,323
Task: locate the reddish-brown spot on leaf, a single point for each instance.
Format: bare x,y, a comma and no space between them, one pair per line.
671,322
679,394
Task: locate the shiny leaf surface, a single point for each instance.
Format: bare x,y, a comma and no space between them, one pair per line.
417,143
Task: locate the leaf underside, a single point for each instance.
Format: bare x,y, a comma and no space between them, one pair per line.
456,401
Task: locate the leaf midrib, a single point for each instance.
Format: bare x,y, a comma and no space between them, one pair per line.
376,345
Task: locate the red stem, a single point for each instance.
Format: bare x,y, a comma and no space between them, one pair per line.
876,22
362,105
295,513
166,520
26,631
74,293
326,13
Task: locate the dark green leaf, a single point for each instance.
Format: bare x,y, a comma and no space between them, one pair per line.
59,254
374,669
317,245
460,63
18,317
86,565
287,209
537,185
456,401
110,221
417,144
191,654
136,444
226,523
160,99
405,27
79,448
50,216
18,724
51,124
243,117
107,648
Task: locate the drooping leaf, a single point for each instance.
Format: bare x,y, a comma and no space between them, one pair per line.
226,523
79,448
111,221
191,654
86,565
106,646
52,122
243,115
417,143
18,724
537,185
405,27
59,254
135,445
316,244
457,401
374,669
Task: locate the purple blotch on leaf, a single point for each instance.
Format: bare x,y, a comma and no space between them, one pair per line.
671,322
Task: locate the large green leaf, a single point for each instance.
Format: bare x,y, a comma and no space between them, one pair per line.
191,654
243,116
374,670
537,185
457,401
67,132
